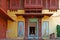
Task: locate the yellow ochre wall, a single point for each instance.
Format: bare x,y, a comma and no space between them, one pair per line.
12,26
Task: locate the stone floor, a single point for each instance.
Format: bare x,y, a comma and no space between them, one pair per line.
28,39
31,39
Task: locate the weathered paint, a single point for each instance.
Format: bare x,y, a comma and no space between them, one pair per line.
11,29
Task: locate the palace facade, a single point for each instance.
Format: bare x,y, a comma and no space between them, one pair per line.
29,19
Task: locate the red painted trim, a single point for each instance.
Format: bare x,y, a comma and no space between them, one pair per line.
40,28
26,29
32,6
38,15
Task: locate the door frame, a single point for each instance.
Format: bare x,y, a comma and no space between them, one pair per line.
35,30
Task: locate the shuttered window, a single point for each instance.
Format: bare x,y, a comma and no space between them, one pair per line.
20,28
45,29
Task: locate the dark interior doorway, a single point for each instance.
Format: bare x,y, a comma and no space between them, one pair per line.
32,30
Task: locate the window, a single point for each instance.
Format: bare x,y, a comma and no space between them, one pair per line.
45,29
20,29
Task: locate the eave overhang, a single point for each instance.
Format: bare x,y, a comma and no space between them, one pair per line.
4,15
38,15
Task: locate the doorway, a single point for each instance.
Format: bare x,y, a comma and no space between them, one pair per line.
33,29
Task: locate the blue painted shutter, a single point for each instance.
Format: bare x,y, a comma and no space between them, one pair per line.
21,29
45,29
